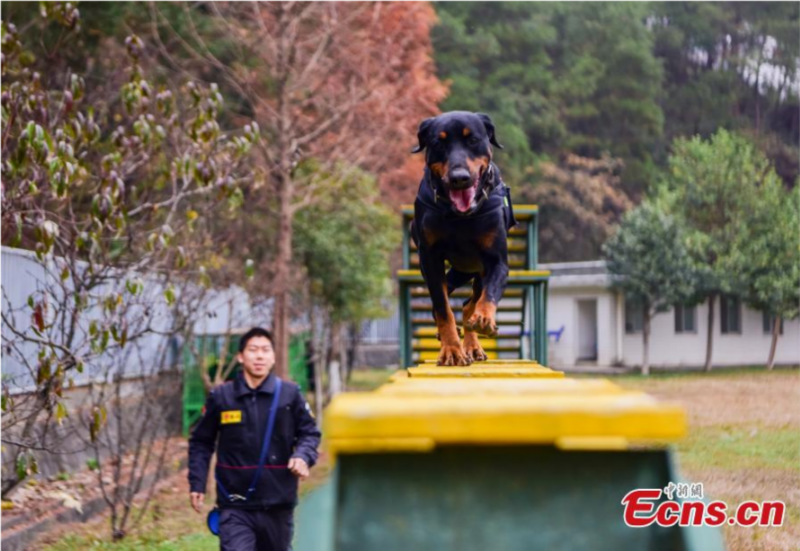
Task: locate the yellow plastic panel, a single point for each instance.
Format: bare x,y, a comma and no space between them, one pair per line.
483,369
399,375
572,421
433,342
432,356
497,387
427,336
591,443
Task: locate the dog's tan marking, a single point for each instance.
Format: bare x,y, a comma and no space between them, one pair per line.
451,352
482,320
477,166
430,236
439,169
472,346
486,241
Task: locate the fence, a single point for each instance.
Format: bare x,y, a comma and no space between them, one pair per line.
381,331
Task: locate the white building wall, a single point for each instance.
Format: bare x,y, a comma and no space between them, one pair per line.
751,346
606,329
562,309
22,275
588,280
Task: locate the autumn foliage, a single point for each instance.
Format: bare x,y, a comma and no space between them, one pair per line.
581,201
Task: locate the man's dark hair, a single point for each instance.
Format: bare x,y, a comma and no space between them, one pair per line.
254,332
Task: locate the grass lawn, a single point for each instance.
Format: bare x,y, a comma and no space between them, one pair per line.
743,443
156,541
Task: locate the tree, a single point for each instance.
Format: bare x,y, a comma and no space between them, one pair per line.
649,258
106,190
574,90
715,185
766,255
556,77
330,81
732,65
581,202
344,242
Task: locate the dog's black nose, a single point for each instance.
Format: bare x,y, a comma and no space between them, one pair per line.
460,177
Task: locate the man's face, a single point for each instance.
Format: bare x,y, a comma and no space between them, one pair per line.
258,357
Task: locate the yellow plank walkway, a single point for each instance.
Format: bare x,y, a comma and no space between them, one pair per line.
492,369
496,403
378,422
493,387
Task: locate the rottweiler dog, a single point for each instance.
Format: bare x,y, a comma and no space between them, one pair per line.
462,215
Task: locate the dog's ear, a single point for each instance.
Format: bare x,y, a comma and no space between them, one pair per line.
489,126
423,134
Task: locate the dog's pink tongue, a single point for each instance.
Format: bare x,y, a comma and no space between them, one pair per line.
462,198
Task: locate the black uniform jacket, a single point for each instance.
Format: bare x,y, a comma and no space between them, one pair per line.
234,421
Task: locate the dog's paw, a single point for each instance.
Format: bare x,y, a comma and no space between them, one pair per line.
473,349
453,355
481,324
476,353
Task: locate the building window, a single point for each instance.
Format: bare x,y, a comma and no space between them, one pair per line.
731,313
634,316
768,320
685,319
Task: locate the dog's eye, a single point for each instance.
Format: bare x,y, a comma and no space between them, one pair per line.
473,141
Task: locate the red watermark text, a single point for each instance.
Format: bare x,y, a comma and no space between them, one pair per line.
644,507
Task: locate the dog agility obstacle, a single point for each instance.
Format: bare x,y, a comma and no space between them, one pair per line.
527,460
522,314
501,455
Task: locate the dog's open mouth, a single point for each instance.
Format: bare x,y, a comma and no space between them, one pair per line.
462,198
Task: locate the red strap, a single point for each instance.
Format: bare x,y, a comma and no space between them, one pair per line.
223,466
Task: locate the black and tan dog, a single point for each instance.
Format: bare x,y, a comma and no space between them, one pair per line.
462,215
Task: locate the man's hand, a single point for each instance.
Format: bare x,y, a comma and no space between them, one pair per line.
197,500
298,467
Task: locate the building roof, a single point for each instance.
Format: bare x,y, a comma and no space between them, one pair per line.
589,273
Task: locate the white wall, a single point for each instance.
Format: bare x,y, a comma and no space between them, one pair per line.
562,309
22,275
667,348
689,349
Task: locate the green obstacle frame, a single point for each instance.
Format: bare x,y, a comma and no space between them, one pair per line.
513,498
526,284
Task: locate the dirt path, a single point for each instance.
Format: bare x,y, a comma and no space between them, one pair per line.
169,516
771,399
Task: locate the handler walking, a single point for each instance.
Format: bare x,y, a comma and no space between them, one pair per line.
267,440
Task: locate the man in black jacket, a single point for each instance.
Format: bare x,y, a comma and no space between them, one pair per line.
234,421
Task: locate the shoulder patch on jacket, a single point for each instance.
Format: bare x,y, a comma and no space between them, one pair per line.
231,417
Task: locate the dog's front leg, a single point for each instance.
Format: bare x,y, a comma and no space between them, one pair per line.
482,318
472,346
451,352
